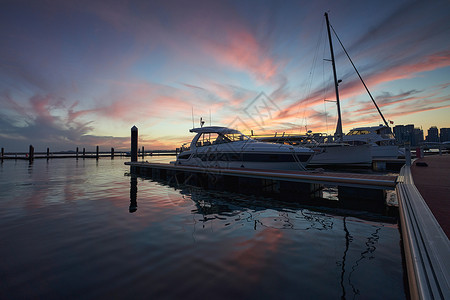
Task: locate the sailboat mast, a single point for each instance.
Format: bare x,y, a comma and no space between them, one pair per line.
336,84
359,75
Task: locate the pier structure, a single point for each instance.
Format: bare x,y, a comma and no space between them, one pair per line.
423,193
298,185
47,154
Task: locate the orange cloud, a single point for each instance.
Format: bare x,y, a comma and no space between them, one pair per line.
355,88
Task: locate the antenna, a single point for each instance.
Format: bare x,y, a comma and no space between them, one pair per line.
201,122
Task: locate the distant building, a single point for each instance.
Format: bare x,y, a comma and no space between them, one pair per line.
445,135
417,137
433,135
407,134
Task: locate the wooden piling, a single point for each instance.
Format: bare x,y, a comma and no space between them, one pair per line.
134,144
84,152
96,153
112,152
76,155
143,152
3,152
48,153
31,153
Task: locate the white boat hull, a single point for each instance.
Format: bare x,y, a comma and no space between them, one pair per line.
342,155
221,147
390,151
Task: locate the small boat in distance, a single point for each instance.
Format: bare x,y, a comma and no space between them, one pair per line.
379,137
222,147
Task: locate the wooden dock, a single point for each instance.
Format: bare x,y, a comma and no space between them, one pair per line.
341,179
357,191
424,202
31,155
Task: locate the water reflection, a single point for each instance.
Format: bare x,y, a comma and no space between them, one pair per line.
367,253
77,217
133,194
223,209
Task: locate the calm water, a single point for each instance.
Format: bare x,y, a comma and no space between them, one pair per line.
67,232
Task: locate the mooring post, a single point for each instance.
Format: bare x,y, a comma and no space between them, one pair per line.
3,152
48,153
134,144
112,152
84,152
142,151
31,153
408,156
96,155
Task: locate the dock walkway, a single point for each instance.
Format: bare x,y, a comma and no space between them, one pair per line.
423,198
433,183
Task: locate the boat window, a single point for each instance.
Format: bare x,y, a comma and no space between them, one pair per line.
232,137
358,132
356,143
206,139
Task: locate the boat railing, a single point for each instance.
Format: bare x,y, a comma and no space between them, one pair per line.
185,147
387,136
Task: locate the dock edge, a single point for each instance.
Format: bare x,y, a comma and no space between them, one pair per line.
426,246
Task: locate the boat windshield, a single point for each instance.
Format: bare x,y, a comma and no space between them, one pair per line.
207,139
358,132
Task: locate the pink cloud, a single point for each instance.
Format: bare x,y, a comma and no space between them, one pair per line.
355,87
242,51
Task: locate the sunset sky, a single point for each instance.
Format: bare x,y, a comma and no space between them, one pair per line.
82,73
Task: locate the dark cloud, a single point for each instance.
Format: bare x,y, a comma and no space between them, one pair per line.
37,122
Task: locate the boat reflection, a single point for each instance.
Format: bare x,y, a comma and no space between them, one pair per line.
272,219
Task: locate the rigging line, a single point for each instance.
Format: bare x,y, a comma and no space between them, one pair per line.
326,115
307,93
193,126
373,100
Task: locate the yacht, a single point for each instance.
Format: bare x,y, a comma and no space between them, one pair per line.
379,137
223,147
327,153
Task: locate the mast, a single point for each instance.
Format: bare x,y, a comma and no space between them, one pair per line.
336,83
359,75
